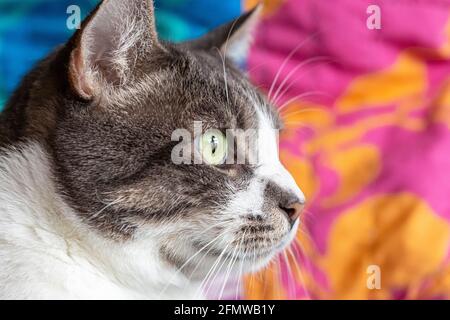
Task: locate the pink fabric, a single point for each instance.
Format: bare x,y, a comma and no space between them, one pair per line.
374,148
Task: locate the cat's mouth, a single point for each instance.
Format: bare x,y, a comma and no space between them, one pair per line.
253,251
240,255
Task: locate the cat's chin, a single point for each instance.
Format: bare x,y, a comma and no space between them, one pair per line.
263,259
242,264
260,263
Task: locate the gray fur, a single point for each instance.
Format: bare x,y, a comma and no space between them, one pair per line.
110,146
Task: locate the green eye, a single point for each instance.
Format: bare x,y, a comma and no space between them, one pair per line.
213,147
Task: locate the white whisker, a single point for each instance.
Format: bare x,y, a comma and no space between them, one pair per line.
292,72
213,267
231,265
306,94
286,60
225,77
179,270
95,215
301,274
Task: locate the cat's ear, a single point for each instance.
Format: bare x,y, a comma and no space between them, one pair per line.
111,44
233,39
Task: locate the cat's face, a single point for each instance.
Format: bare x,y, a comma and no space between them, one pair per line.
113,150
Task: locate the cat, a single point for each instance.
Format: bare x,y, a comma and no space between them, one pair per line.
92,205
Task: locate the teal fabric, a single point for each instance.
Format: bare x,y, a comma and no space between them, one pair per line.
29,29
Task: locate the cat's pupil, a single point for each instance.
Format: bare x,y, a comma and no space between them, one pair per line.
214,144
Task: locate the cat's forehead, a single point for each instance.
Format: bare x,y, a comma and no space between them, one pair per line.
190,86
186,86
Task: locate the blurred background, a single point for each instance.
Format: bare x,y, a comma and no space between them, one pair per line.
364,89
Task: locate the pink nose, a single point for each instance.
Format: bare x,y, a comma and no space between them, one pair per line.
293,210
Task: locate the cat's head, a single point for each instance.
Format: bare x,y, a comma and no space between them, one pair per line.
113,148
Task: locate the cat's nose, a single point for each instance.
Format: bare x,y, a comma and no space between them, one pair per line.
290,201
292,207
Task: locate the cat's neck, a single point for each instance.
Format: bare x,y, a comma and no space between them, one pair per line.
45,249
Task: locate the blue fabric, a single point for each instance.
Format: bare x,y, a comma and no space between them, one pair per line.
29,29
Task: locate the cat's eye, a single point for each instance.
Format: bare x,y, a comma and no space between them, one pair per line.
213,147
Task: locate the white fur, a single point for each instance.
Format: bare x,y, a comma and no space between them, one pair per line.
45,253
270,166
270,169
251,199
